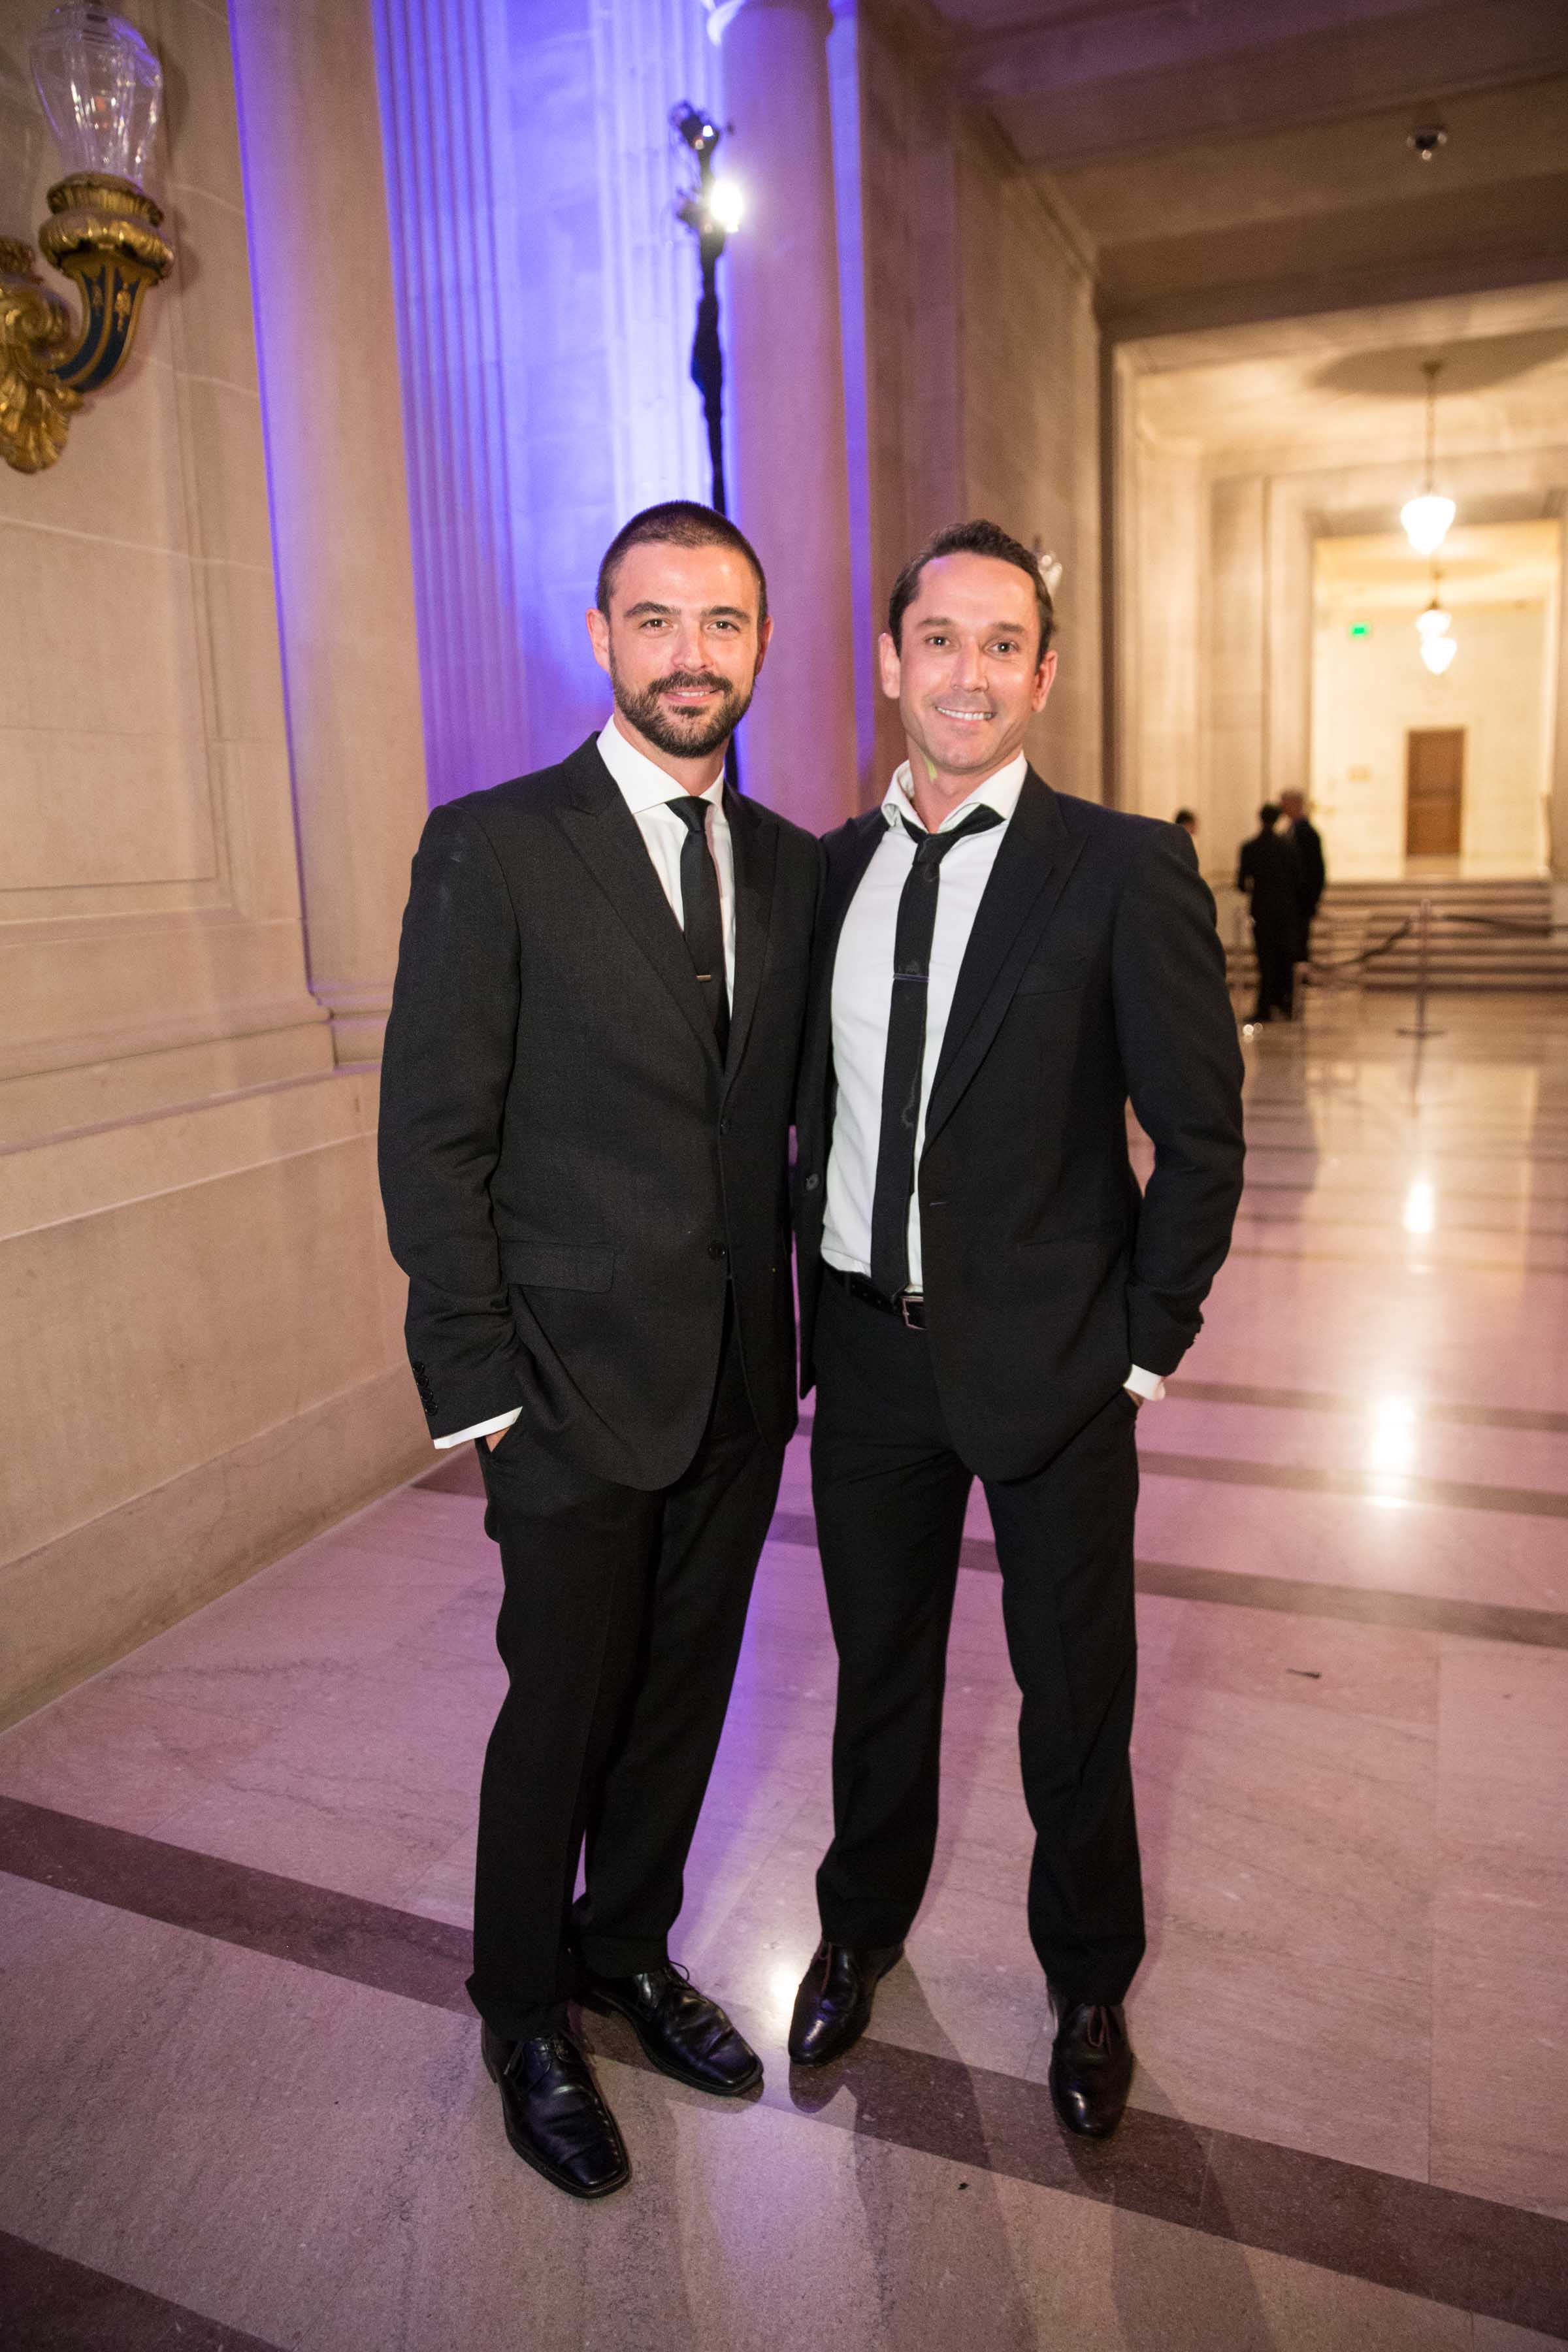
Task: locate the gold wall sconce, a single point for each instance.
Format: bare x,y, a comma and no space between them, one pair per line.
101,88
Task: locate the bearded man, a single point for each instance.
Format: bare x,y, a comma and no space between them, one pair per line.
586,1111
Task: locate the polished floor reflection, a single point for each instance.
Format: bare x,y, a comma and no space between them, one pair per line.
243,2093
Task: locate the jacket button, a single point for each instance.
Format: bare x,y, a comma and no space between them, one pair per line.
716,1249
812,1183
725,1125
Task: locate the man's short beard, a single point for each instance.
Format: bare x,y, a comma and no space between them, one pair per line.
690,737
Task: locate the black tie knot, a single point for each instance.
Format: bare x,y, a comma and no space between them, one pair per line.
692,811
930,848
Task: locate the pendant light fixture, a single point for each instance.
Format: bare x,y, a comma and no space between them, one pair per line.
1426,518
1434,627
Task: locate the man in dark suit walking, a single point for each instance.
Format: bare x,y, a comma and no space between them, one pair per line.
983,1292
1268,872
586,1107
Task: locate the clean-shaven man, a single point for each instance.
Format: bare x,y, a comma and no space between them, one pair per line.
983,1291
585,1109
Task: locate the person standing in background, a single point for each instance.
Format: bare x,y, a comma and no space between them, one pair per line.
1268,872
1311,873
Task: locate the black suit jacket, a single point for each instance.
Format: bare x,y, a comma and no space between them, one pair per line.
1312,873
1093,974
1268,872
570,1175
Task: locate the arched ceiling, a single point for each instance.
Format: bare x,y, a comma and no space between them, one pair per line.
1224,159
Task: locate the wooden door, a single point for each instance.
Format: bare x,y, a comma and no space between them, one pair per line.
1434,790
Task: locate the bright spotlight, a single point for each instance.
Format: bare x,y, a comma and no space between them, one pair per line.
726,205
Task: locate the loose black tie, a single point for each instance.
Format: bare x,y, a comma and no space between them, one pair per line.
702,916
906,1054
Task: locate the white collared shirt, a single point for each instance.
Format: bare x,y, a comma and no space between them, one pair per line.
648,793
862,1002
863,996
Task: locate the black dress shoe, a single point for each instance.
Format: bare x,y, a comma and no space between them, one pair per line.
833,2007
1091,2066
555,2117
683,2033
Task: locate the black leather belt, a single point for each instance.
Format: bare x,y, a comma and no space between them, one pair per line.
909,1306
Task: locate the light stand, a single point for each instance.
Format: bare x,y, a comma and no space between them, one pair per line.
709,210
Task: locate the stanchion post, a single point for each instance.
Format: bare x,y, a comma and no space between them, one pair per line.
1423,1028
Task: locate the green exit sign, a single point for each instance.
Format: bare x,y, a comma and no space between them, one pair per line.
1360,628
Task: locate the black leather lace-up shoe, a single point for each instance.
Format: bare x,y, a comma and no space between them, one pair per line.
683,2033
555,2115
833,2007
1091,2066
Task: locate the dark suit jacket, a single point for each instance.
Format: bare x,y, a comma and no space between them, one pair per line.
569,1173
1093,973
1267,871
1306,844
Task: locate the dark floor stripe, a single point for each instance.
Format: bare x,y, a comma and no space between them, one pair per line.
1481,1620
1418,1612
1466,2251
1448,1262
340,1935
1377,1486
1472,1417
1451,2249
49,2303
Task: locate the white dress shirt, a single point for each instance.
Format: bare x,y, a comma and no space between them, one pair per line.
648,793
862,1002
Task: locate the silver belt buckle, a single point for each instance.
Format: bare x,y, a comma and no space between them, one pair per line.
907,1299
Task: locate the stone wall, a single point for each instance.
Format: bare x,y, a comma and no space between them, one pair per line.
203,1361
981,372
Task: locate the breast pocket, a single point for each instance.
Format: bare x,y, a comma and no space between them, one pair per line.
1052,974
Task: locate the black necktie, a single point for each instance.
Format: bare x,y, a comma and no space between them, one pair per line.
906,1054
702,916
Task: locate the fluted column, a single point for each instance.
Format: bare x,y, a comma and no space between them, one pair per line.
784,399
316,219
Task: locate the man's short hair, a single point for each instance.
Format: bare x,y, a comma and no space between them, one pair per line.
971,538
1186,816
678,523
1270,814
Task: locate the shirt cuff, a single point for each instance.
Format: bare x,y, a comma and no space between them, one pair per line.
480,1429
1147,1385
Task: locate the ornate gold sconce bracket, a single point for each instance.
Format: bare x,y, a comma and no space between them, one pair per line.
103,232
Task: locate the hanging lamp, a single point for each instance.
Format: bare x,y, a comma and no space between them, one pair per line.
1426,518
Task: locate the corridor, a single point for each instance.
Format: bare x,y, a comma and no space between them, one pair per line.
244,2099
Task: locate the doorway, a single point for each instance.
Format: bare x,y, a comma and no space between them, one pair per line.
1434,790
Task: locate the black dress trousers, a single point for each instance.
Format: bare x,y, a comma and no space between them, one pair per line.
619,1628
889,1492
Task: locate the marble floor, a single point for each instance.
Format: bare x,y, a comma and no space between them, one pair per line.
242,2097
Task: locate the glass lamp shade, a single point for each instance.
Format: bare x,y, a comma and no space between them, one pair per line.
1437,648
1426,521
101,88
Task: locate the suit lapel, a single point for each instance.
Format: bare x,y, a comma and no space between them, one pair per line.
847,865
604,833
1036,855
754,848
